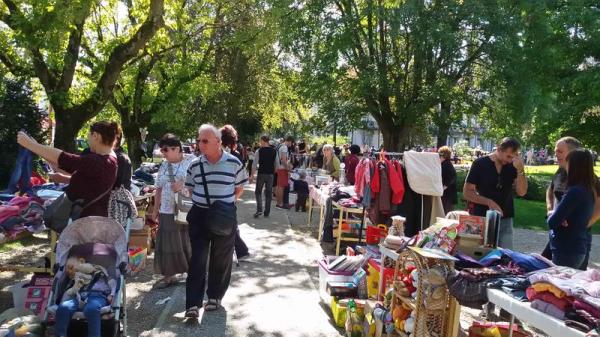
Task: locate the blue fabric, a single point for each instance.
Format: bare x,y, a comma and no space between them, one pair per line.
528,262
491,258
91,311
576,208
574,261
21,173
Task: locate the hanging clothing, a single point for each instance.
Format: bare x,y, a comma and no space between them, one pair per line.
424,172
396,184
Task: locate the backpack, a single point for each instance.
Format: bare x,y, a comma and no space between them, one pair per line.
121,206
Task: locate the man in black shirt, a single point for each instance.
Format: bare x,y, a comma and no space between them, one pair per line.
489,185
264,160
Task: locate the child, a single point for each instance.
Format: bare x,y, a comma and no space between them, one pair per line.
301,189
97,292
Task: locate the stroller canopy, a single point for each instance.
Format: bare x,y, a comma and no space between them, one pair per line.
92,229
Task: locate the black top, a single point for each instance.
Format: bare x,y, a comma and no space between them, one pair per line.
265,158
300,186
493,185
449,180
123,170
558,186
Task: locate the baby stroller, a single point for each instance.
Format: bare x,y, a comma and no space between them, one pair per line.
99,241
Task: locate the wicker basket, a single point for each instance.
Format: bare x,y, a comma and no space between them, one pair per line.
432,300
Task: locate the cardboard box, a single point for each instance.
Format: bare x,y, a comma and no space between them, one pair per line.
140,238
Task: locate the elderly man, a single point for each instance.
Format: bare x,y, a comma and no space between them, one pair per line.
558,187
214,178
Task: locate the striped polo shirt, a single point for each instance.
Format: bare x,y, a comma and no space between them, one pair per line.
222,179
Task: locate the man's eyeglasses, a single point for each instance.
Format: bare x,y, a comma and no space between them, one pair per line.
203,141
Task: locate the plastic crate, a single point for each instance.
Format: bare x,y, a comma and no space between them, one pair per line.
326,275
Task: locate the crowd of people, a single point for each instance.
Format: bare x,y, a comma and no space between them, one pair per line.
214,177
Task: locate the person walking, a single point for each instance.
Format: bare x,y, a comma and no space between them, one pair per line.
172,252
215,180
283,167
229,142
450,196
264,168
568,223
489,185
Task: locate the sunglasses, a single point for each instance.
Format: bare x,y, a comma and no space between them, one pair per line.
499,183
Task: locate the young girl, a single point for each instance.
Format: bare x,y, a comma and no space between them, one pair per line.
95,295
568,224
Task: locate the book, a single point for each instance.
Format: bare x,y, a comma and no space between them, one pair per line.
471,225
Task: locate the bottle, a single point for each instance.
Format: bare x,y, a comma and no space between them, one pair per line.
353,322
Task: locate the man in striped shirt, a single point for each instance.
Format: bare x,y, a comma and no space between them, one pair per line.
225,177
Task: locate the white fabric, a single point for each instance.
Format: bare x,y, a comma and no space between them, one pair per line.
424,172
167,197
523,310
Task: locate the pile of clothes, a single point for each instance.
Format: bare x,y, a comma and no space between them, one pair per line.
568,294
20,214
503,269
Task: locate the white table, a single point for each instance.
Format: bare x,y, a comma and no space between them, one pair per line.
523,310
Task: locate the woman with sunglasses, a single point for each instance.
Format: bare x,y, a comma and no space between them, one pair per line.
173,251
569,222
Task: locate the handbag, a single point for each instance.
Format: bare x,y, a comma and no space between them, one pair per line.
121,206
221,218
63,209
182,204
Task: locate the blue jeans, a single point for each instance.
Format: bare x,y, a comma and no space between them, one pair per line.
568,259
21,173
91,311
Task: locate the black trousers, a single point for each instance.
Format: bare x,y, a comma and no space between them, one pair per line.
215,250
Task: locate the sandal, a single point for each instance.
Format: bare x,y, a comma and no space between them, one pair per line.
165,285
212,304
191,312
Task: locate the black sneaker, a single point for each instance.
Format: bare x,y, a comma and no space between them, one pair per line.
280,207
266,215
257,214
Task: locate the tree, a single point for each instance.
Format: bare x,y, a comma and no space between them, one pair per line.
77,65
170,70
402,59
18,111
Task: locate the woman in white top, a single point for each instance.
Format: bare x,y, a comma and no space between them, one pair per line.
173,251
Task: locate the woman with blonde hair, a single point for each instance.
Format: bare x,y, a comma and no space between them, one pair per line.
331,163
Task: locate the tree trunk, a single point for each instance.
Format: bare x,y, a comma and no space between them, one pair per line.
393,139
443,124
134,145
67,129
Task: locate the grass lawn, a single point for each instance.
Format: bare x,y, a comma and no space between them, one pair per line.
549,170
17,245
529,214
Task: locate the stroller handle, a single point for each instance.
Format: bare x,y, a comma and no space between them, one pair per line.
129,208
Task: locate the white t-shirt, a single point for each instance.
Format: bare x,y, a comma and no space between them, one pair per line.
282,150
167,197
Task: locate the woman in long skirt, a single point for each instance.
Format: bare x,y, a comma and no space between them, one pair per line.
173,251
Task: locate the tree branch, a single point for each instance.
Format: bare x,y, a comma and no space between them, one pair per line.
72,53
120,55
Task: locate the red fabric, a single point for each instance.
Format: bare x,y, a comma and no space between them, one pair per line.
561,303
396,183
36,179
93,175
362,176
586,307
350,163
283,178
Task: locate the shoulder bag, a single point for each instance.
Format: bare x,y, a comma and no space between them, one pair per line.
222,218
63,209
